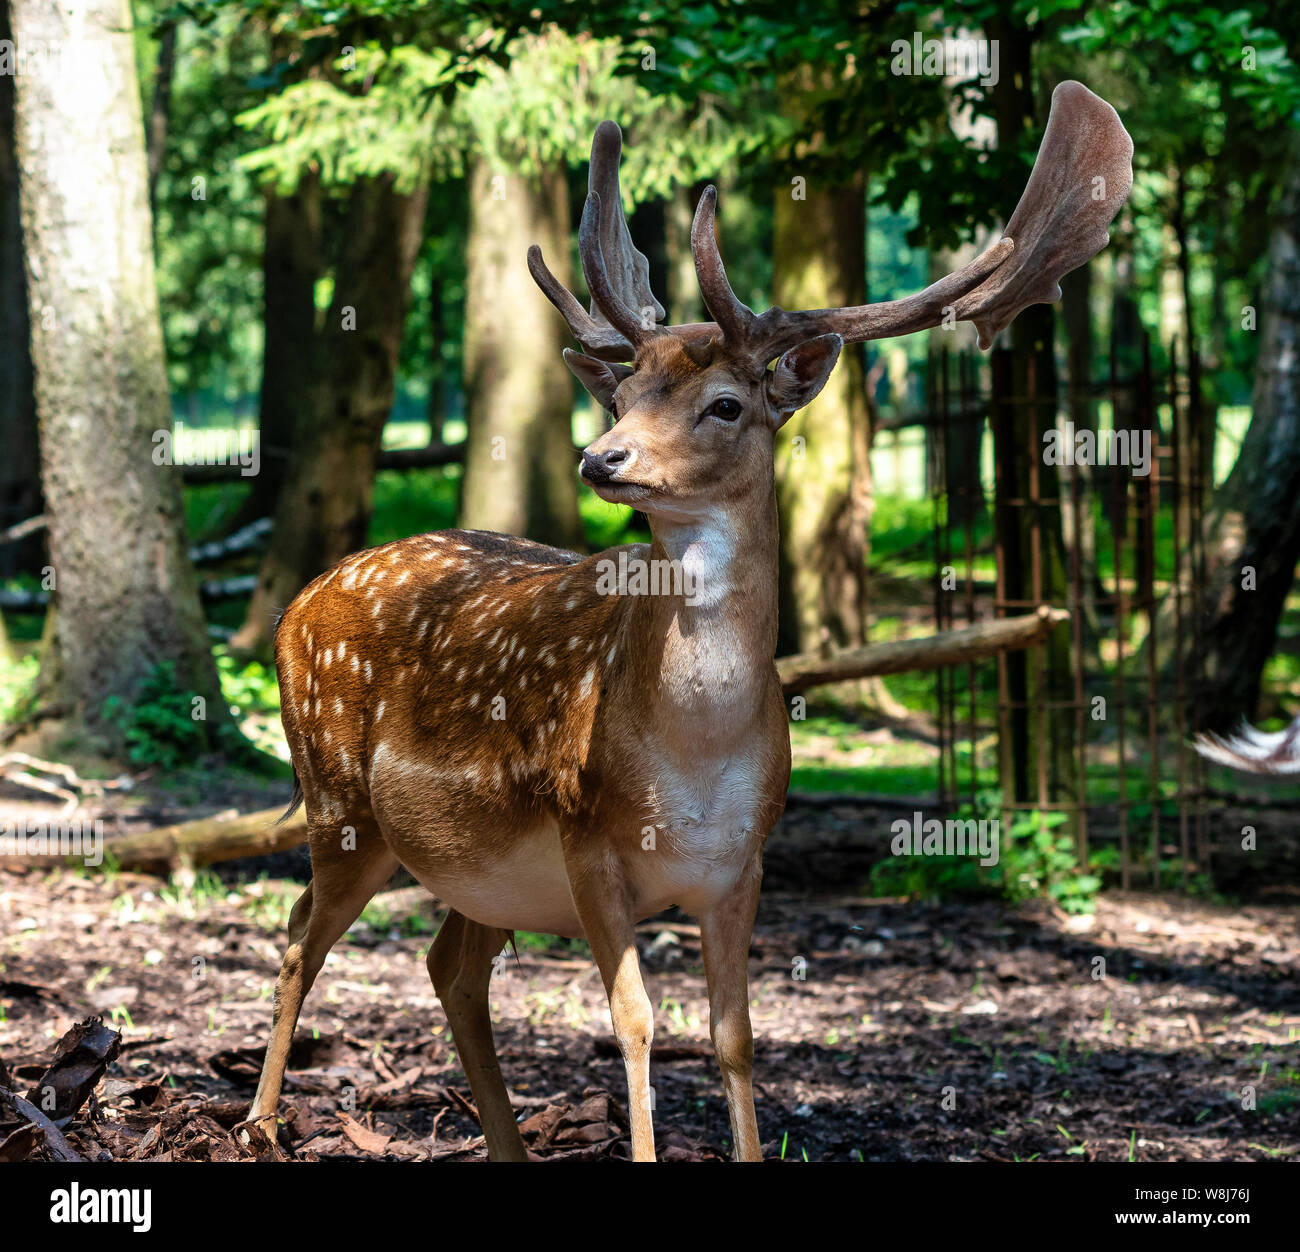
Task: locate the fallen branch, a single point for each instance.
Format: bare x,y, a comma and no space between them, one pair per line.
950,647
188,845
241,540
23,771
20,530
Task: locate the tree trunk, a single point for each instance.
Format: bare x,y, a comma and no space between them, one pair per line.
291,265
436,405
1076,316
822,464
1202,419
324,507
20,475
125,591
1252,529
683,288
1035,749
160,112
520,466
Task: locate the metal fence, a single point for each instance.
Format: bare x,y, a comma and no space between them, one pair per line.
1096,724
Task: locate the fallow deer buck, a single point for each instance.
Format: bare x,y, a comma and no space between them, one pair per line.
542,755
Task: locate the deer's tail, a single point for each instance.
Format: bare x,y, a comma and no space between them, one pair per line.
1255,751
295,800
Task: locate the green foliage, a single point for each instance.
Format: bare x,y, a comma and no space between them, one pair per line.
413,502
1035,859
383,115
17,686
158,725
248,686
412,113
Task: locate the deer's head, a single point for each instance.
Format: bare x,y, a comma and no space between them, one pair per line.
696,407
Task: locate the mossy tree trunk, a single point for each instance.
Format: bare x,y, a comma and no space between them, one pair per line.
125,594
324,508
520,465
822,463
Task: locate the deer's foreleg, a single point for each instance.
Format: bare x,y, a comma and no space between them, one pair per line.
725,933
605,910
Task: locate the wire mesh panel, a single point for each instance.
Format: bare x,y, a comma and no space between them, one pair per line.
1089,499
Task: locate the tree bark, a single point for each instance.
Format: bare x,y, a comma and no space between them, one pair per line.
324,507
125,591
1033,566
291,266
1252,529
520,468
823,455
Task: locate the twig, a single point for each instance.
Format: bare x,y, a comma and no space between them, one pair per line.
53,1135
38,715
20,530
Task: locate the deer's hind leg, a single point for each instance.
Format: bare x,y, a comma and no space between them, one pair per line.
349,864
460,965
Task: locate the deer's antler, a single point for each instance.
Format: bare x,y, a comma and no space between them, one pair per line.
624,311
1081,177
733,316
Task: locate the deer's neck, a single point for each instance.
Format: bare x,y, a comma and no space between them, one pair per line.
708,645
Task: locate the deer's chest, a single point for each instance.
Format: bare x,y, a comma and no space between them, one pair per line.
697,831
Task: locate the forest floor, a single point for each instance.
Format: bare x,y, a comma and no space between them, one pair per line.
1163,1027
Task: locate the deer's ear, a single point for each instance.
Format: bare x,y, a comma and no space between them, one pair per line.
599,377
801,373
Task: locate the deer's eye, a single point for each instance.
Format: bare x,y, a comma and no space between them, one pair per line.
725,407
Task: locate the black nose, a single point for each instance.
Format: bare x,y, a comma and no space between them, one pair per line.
599,467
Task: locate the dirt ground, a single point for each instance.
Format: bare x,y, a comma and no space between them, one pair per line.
1163,1028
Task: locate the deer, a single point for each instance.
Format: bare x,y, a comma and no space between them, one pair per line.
543,755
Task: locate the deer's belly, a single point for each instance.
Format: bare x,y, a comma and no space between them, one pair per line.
525,887
521,887
473,857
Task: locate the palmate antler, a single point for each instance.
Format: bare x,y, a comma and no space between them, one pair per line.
1081,177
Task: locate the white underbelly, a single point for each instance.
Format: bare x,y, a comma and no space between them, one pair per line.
525,888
